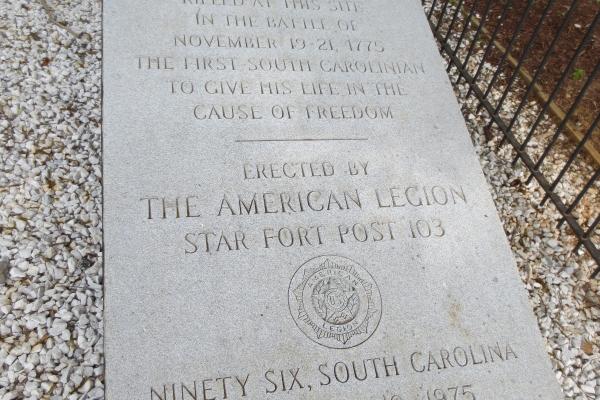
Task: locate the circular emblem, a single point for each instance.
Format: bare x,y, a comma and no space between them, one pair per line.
335,301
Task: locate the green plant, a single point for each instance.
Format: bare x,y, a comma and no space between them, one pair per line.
577,74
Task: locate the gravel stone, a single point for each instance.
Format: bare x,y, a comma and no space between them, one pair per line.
50,200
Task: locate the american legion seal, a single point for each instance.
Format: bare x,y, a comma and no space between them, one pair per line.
335,301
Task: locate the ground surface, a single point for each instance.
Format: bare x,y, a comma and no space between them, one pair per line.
576,23
50,218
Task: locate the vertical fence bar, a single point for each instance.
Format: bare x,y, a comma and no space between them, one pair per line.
462,34
583,192
475,39
490,45
433,4
588,234
454,17
523,56
441,17
508,50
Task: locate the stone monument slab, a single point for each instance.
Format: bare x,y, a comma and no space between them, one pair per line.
293,209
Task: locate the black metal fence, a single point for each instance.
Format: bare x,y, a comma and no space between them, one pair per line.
532,67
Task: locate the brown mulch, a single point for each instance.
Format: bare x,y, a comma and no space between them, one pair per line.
568,40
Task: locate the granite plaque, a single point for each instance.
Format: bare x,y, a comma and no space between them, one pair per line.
293,210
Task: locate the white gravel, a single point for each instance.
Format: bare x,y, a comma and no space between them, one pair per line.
50,217
50,200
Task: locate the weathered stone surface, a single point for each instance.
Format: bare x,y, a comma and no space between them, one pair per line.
292,207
